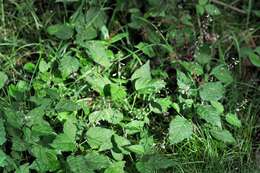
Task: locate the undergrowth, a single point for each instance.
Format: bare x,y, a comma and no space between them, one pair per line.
131,86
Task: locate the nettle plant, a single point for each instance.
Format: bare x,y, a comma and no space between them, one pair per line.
98,101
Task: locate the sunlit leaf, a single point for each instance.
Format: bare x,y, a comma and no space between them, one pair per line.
180,129
212,91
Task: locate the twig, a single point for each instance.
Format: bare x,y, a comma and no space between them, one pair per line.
228,6
234,2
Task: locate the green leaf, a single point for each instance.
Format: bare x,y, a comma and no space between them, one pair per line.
209,114
19,144
61,31
144,85
118,93
84,33
203,55
233,120
98,82
29,67
89,163
42,128
143,72
99,138
200,9
212,10
97,161
14,118
111,115
153,163
212,91
66,106
146,49
193,67
98,52
2,132
138,149
144,82
223,135
222,74
134,127
78,164
203,2
3,158
46,159
25,168
218,106
116,167
68,65
180,129
121,142
255,59
43,66
3,79
67,140
183,81
118,37
161,105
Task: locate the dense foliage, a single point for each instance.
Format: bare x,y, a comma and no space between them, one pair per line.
131,86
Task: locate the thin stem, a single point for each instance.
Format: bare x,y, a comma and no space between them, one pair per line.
229,6
248,12
3,18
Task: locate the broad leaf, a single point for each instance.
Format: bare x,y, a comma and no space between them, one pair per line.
209,114
118,93
180,129
77,164
25,168
111,115
3,158
98,82
84,33
212,10
116,167
43,66
154,163
138,149
88,163
146,49
61,31
67,140
143,72
223,135
218,106
184,82
134,127
232,119
99,53
212,91
222,74
46,159
192,67
42,128
68,65
99,138
255,59
14,118
203,55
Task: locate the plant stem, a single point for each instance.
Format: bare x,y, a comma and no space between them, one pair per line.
228,6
